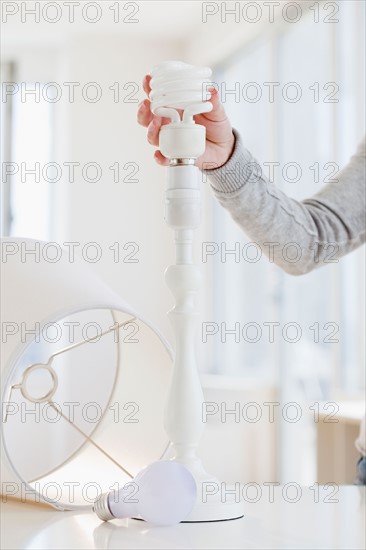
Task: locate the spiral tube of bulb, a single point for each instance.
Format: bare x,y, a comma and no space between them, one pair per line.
176,85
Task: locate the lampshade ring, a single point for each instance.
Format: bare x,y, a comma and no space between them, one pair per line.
23,385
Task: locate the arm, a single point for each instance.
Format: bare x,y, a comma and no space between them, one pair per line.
324,227
327,225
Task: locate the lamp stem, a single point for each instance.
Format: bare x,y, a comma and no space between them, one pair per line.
183,417
174,86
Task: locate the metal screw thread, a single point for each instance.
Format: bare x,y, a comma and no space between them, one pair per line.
101,507
181,162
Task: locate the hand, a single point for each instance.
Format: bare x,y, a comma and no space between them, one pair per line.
219,134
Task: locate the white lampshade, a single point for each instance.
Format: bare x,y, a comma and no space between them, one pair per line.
107,409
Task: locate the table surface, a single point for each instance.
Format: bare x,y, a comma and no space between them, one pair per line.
337,520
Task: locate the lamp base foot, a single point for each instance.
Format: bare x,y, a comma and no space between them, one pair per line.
216,501
216,507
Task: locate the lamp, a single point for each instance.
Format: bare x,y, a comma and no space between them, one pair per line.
177,92
72,387
84,379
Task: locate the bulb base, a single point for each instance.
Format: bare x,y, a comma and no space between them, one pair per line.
101,507
182,140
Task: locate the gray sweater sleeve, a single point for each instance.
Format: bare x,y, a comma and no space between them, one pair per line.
297,236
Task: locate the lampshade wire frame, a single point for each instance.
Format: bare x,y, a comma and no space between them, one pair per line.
115,327
90,440
47,397
47,366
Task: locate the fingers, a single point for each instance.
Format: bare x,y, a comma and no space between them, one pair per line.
144,114
153,130
160,159
153,138
218,112
146,83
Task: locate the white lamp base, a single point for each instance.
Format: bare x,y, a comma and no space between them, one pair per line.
216,501
215,509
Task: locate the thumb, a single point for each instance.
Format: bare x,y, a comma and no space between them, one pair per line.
218,112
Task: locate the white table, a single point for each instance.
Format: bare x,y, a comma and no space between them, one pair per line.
278,524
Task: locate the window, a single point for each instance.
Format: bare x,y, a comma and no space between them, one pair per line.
7,71
27,194
309,139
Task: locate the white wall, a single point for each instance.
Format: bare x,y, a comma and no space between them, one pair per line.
107,212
